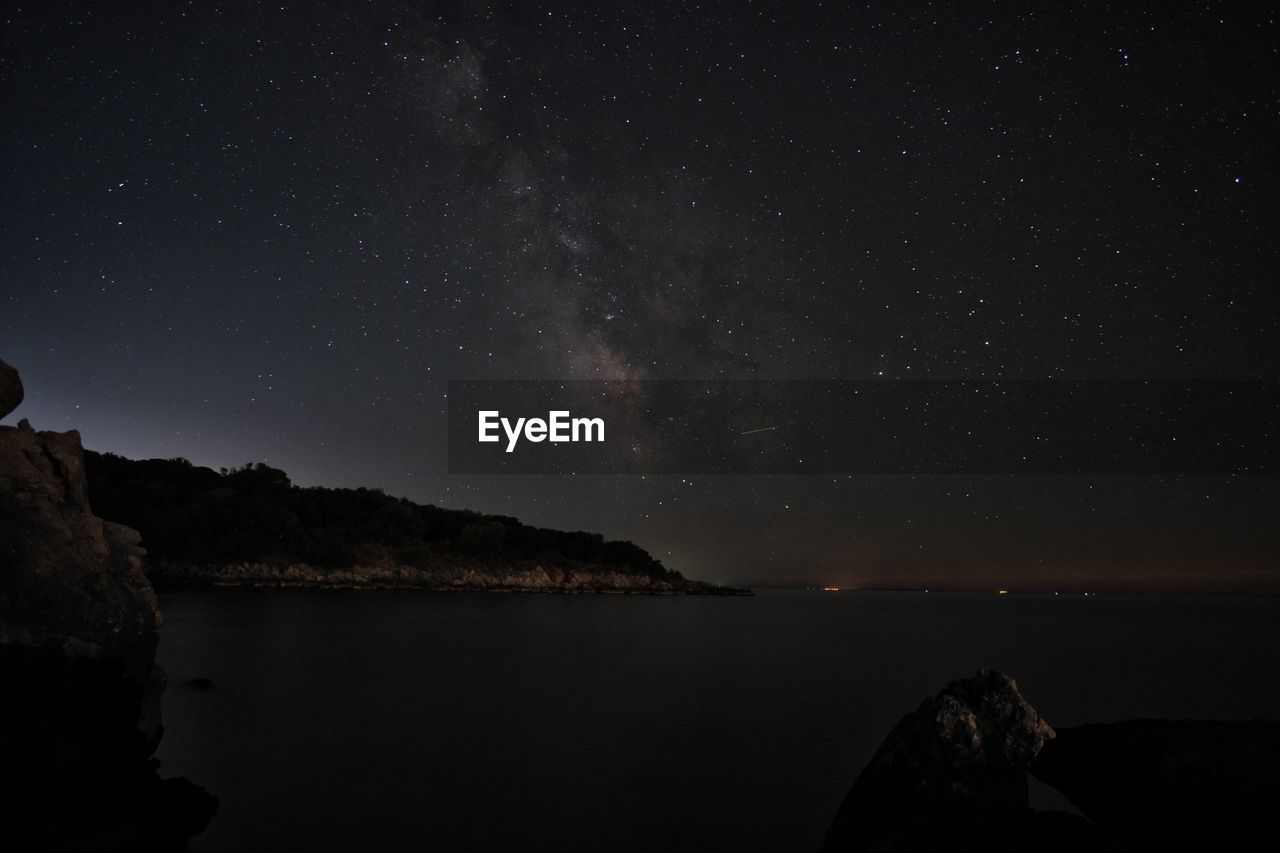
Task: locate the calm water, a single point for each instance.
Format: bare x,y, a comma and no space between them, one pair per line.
380,721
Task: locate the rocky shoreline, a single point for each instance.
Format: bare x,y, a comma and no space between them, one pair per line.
445,577
251,526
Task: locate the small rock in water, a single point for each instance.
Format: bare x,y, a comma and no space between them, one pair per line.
10,389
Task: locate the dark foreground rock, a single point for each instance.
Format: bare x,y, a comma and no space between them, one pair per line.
80,716
954,776
1172,784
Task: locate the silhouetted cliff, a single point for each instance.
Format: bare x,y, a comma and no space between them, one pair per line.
251,526
80,716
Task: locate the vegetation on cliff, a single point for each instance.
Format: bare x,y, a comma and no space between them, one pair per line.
253,515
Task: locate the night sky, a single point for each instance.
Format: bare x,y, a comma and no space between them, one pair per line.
240,231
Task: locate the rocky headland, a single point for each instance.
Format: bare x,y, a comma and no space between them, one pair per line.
443,576
252,526
955,775
78,632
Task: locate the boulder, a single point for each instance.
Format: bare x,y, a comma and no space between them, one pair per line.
67,577
953,775
10,389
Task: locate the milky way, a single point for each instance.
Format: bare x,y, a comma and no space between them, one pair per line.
261,232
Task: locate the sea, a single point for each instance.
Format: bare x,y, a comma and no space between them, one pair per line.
408,721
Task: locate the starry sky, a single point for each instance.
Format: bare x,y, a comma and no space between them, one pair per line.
273,232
